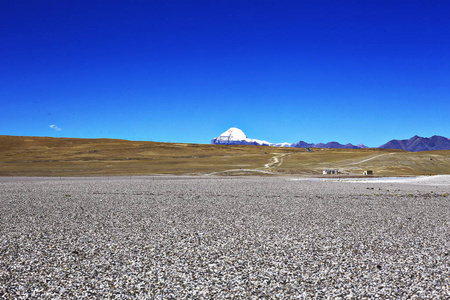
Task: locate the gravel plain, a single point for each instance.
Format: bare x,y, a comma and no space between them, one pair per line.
167,237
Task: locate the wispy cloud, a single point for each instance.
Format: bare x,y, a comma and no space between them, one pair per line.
53,126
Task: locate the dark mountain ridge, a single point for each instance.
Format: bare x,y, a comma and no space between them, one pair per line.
417,143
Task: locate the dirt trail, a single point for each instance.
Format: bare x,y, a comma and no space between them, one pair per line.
243,171
277,159
364,160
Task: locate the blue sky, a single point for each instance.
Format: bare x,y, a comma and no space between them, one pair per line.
185,71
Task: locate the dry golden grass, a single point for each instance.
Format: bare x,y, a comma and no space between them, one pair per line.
44,156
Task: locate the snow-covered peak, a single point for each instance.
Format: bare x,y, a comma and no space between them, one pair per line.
285,144
235,136
232,134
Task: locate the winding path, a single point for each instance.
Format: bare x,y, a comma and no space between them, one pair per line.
277,159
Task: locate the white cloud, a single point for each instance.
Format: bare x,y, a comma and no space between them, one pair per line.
55,127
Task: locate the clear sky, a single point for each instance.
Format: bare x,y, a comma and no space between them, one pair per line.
358,71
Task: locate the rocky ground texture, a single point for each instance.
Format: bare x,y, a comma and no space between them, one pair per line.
222,238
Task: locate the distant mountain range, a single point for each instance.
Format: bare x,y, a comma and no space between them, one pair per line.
417,143
303,144
235,136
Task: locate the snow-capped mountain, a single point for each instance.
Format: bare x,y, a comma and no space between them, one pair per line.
235,136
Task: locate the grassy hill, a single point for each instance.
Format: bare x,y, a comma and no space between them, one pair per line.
44,156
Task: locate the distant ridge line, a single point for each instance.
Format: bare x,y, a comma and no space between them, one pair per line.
235,136
417,143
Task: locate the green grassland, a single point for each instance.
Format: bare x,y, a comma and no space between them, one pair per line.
44,156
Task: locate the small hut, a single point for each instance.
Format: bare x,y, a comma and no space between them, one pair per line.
331,172
368,172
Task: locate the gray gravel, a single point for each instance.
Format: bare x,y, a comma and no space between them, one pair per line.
222,238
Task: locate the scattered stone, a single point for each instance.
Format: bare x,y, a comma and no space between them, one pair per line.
167,237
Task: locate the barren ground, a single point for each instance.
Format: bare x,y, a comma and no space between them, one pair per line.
41,156
166,237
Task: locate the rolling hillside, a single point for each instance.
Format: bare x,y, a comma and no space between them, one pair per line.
44,156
